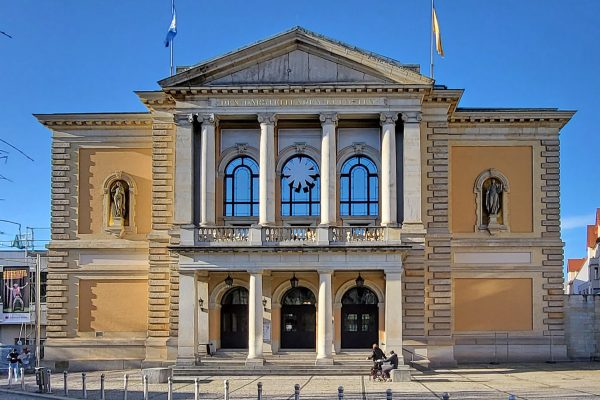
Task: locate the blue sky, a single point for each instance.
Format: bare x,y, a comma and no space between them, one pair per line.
89,56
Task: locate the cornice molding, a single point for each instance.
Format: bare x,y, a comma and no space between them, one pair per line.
87,121
297,89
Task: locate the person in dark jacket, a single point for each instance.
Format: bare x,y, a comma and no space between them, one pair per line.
390,364
13,364
378,356
377,353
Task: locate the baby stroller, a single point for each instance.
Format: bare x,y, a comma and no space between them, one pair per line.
376,372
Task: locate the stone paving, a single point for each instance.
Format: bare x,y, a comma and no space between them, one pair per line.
529,381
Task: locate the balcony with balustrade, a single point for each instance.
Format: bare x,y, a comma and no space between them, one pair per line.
228,236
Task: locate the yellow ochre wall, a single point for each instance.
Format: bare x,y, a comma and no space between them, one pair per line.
113,305
493,304
95,165
468,162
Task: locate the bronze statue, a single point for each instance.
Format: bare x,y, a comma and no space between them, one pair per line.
492,197
119,200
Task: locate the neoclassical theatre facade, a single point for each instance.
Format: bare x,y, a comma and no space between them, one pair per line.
301,193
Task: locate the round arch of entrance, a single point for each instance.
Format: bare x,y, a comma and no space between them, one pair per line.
216,295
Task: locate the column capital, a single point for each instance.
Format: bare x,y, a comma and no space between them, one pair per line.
184,120
328,118
206,118
267,118
411,117
325,271
388,118
255,271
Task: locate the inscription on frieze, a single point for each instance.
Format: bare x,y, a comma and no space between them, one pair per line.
298,101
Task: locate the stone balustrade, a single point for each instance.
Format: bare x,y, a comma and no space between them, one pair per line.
297,235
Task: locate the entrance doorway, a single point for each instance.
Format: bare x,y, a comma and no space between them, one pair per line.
234,319
360,318
298,319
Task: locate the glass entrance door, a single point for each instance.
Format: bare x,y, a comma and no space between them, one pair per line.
360,319
234,319
298,319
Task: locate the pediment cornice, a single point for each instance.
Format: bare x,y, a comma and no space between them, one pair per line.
373,64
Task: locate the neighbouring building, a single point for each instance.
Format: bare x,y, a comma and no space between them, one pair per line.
583,274
301,193
18,314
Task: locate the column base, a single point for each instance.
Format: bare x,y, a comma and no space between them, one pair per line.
324,361
413,227
255,362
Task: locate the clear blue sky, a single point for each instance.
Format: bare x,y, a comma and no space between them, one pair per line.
89,56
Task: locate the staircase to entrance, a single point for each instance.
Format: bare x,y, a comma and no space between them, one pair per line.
227,363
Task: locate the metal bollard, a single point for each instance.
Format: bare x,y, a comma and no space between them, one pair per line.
226,389
196,389
125,382
10,374
445,396
102,387
259,386
22,371
170,388
145,379
49,371
388,394
340,393
83,387
65,383
296,392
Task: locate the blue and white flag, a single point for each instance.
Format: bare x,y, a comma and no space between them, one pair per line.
172,30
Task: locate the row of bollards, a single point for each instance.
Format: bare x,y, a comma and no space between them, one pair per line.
44,382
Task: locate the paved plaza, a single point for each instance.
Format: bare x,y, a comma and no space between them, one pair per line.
531,381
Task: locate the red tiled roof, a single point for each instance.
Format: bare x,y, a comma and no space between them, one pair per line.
575,264
592,236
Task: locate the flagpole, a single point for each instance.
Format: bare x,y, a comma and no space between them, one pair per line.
173,40
431,46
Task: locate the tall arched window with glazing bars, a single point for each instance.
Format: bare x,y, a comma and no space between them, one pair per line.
359,187
241,192
300,187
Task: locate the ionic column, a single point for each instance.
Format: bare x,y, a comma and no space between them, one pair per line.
325,322
328,168
412,168
393,312
388,168
188,320
207,175
267,169
255,319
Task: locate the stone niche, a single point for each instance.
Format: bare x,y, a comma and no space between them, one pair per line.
119,204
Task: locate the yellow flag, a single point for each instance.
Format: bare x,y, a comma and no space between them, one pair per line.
437,33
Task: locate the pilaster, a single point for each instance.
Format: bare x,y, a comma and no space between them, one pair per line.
412,170
207,170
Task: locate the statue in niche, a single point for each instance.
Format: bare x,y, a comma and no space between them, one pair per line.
493,201
118,207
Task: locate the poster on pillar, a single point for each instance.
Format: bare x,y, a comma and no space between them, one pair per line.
266,331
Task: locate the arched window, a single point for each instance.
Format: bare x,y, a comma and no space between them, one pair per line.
360,295
298,296
236,296
300,187
241,188
359,187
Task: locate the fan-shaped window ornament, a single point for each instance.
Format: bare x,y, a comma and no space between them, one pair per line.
300,187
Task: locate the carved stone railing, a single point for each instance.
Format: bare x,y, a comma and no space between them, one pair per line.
224,234
296,235
357,234
290,234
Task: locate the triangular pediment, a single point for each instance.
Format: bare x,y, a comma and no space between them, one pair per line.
297,57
